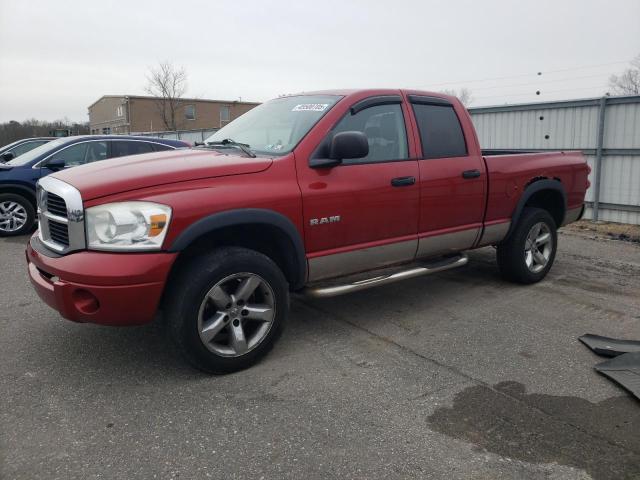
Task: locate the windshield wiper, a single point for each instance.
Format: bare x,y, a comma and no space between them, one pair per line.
227,142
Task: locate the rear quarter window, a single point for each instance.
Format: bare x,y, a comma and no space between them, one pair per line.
159,147
122,148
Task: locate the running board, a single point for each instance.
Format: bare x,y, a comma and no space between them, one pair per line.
325,289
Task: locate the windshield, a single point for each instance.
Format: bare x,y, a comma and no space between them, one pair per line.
36,152
276,127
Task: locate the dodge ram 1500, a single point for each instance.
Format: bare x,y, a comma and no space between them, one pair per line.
321,193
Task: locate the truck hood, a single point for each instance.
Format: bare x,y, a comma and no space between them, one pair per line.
109,177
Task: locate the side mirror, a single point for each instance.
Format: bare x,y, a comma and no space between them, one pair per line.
55,164
344,145
7,156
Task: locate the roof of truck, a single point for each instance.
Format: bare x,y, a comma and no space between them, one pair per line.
371,91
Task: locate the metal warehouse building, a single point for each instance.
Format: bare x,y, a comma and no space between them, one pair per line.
606,129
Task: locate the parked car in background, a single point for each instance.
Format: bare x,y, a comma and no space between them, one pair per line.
17,148
18,177
323,193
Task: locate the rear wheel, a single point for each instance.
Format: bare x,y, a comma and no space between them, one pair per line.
227,308
528,254
17,215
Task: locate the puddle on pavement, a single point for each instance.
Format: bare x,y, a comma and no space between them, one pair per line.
601,438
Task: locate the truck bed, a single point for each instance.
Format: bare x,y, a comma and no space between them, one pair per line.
509,173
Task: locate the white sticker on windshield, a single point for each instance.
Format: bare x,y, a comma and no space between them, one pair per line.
310,107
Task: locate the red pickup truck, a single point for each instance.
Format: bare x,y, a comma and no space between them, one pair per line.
320,193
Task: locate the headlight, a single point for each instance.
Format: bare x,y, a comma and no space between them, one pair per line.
127,226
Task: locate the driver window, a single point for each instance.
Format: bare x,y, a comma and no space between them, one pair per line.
82,153
383,125
71,156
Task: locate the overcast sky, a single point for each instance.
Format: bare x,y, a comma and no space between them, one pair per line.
58,57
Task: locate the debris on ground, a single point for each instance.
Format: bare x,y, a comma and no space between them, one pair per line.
615,231
624,367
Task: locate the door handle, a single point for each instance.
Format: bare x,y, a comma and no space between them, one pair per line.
402,181
471,174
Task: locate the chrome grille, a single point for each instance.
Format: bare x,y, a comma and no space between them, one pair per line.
59,233
60,216
56,205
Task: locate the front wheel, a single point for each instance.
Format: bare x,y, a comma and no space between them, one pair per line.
17,215
227,308
528,254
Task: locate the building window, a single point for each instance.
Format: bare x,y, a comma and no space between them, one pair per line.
106,131
120,111
190,112
225,114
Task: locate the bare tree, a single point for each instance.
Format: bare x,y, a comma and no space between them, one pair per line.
628,83
168,84
464,95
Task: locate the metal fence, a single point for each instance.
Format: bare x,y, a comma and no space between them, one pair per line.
191,136
607,130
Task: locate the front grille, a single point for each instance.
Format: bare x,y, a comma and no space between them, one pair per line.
59,232
56,205
60,216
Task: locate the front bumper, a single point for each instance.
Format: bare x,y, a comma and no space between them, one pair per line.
99,287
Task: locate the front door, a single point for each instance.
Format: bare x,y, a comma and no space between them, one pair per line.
363,214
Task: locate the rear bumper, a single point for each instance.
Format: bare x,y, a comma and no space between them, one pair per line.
102,288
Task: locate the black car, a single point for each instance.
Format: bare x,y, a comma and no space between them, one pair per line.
18,177
17,148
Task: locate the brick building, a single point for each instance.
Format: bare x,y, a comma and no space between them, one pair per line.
125,114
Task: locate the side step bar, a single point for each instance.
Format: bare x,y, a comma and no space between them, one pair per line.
332,290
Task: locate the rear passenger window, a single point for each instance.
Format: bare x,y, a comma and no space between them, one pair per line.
383,125
123,148
96,151
440,131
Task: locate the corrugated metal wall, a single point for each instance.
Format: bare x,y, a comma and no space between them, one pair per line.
573,125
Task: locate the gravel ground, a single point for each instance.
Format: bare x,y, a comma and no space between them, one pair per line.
457,376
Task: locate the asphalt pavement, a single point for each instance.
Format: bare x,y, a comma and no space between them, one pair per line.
455,376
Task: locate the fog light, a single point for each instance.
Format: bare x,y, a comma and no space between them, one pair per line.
85,301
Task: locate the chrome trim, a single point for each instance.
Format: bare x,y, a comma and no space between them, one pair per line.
332,291
494,233
572,215
75,215
361,260
55,218
447,243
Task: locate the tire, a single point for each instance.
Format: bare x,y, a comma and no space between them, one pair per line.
517,260
209,312
17,215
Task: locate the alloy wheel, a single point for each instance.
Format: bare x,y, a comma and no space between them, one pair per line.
236,314
13,216
538,247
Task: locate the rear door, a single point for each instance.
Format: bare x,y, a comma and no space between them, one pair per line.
452,178
363,213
